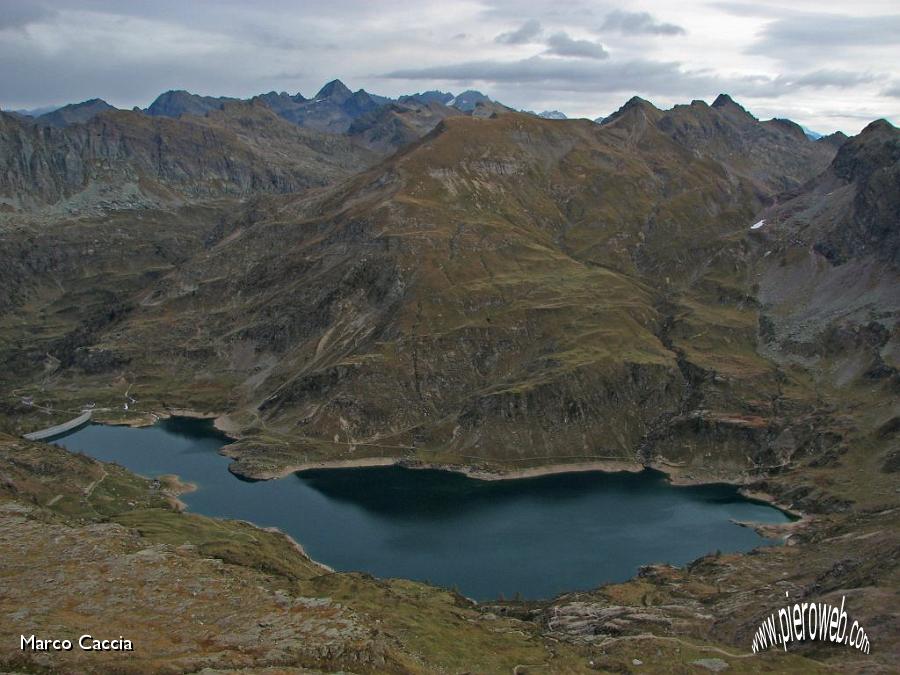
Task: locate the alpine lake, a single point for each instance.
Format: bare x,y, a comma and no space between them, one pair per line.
531,538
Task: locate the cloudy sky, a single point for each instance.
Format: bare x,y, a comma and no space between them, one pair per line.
828,65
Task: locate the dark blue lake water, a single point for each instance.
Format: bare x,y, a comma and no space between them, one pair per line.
537,536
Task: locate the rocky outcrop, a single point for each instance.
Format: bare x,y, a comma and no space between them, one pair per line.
828,282
870,164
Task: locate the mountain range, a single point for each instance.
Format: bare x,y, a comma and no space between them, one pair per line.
332,109
441,281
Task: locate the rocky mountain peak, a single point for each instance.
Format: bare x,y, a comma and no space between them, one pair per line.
176,102
169,97
866,223
637,102
790,127
725,104
431,96
281,96
876,147
336,91
635,106
468,100
74,113
835,140
879,126
723,100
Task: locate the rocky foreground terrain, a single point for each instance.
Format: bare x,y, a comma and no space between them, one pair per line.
90,547
690,289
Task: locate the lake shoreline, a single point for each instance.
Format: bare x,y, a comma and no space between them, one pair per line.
603,466
221,494
674,473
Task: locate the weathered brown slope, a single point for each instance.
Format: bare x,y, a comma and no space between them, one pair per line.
508,291
64,284
412,300
127,159
497,293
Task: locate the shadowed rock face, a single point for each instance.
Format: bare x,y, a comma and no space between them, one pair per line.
830,280
850,210
835,140
468,100
871,164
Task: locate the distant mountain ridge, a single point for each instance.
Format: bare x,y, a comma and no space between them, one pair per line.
724,131
335,108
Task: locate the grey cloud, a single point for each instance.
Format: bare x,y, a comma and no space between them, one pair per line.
783,85
233,47
571,75
289,75
830,78
526,33
751,9
864,115
19,15
664,78
637,23
561,44
830,33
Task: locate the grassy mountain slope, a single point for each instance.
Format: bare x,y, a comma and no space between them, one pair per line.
509,292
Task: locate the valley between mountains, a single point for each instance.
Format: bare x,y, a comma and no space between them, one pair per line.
474,288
